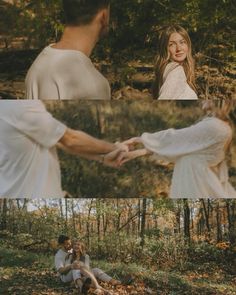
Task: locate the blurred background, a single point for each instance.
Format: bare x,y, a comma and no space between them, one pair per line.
118,121
127,55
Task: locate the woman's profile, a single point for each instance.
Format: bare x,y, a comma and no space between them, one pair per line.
174,66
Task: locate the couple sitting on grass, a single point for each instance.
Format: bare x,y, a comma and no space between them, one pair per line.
73,264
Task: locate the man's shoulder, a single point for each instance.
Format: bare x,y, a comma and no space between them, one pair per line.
18,108
60,253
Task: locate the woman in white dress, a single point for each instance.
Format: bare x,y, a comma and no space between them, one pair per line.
198,153
174,67
81,262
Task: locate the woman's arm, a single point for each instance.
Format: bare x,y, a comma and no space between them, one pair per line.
65,270
134,154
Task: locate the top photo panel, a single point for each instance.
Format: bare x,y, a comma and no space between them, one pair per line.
116,50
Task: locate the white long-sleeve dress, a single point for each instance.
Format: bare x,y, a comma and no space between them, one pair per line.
199,155
175,84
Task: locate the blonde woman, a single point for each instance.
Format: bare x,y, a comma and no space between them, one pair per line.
198,153
81,262
174,67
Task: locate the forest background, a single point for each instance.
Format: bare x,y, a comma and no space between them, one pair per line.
165,246
127,55
119,121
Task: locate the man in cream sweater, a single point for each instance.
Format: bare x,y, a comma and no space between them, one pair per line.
64,70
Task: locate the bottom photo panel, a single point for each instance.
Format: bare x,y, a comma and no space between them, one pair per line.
118,246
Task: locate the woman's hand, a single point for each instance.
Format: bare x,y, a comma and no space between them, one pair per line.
75,265
132,142
114,158
126,157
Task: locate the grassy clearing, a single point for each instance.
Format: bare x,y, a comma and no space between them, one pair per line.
25,273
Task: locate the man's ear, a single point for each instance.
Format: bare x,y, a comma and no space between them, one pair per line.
103,16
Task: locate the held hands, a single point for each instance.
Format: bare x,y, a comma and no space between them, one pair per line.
75,265
132,142
125,152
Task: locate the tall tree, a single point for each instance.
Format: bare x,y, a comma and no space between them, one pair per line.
187,220
143,222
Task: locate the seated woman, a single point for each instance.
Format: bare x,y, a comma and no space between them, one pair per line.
198,153
81,262
174,68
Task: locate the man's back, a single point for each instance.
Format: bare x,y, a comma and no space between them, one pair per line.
65,74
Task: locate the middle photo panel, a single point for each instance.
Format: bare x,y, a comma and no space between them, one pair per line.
167,149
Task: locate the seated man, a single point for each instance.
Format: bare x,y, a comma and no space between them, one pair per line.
63,263
28,159
74,265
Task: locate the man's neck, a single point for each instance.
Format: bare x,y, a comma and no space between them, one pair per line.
82,39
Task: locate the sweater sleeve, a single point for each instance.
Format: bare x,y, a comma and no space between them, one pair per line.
171,144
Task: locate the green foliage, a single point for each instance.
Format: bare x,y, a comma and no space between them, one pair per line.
20,258
134,24
210,253
37,22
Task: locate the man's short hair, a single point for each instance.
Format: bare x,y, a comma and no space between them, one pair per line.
82,12
62,239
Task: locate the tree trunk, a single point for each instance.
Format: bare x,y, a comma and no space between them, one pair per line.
88,223
98,213
230,205
4,214
206,213
143,222
73,218
218,223
66,221
187,221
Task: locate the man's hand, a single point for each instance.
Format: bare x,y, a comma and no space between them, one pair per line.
114,158
131,143
75,265
122,146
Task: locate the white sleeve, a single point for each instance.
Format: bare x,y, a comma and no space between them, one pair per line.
171,144
59,262
37,123
174,84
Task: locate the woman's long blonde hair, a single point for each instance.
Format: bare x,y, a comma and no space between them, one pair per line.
82,253
163,58
222,109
